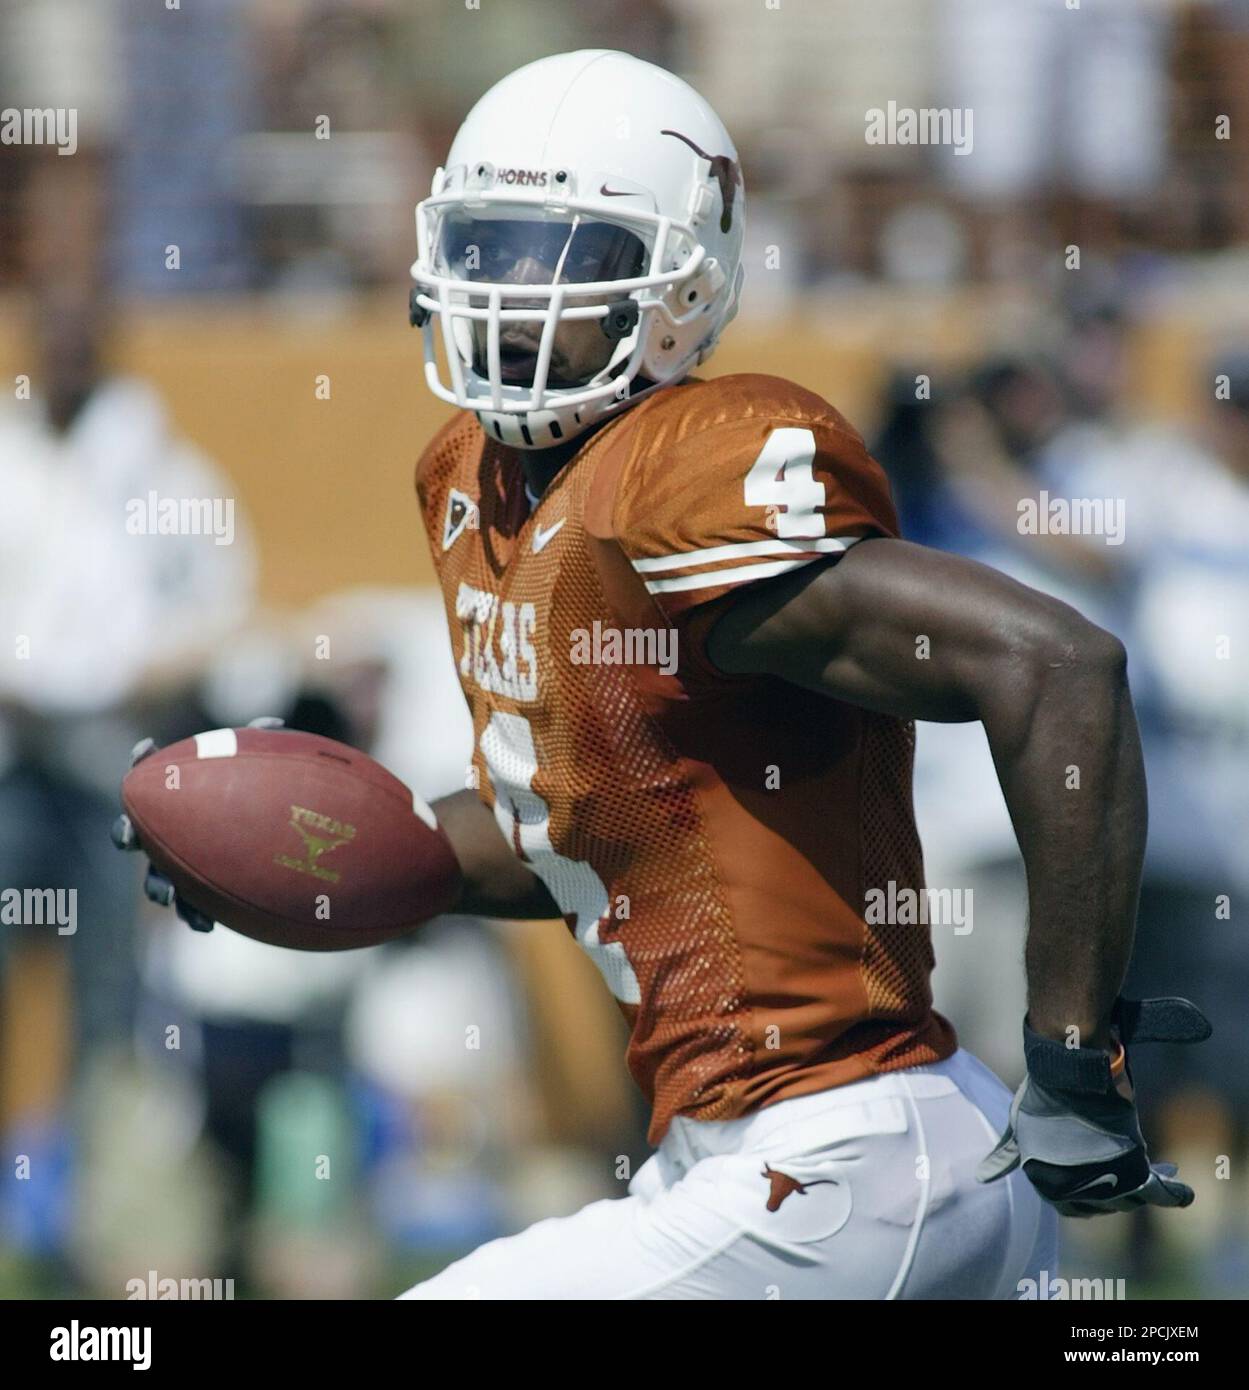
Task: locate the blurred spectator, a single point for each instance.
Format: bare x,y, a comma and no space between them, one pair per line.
1066,101
1187,496
112,612
108,614
189,94
964,463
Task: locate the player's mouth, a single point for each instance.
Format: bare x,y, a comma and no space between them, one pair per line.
518,359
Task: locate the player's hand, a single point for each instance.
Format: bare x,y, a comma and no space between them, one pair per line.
157,887
1076,1132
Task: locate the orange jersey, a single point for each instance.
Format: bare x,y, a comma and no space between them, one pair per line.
710,839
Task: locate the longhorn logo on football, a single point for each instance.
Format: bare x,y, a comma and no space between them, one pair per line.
321,835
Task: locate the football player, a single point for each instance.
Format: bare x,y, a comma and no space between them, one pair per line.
693,644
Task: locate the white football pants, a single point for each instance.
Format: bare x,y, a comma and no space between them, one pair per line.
878,1199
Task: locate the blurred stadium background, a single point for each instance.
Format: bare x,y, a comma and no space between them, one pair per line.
207,299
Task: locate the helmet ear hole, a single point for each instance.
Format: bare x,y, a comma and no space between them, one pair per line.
418,316
620,320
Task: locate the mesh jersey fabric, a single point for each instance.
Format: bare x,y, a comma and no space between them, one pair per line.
709,839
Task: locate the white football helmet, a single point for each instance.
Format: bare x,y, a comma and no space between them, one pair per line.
585,186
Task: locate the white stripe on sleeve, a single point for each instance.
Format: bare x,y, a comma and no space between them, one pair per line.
742,550
714,579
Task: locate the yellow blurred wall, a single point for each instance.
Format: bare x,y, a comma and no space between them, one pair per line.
328,483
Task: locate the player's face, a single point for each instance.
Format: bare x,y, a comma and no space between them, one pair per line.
518,252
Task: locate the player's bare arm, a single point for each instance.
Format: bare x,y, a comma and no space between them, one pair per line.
496,882
920,634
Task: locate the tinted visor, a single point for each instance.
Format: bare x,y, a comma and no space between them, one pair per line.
539,251
529,251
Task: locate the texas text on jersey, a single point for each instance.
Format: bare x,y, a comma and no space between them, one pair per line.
719,888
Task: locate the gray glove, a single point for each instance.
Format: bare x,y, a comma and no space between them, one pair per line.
1076,1135
157,887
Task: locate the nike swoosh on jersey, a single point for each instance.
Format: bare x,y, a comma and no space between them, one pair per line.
605,192
542,538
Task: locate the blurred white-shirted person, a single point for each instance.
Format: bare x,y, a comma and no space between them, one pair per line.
124,557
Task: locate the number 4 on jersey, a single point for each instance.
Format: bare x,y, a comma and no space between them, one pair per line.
781,479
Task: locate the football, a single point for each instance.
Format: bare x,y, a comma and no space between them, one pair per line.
291,838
